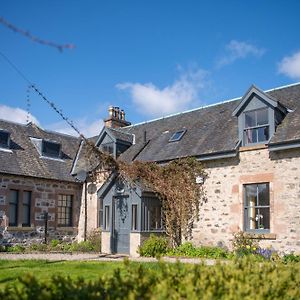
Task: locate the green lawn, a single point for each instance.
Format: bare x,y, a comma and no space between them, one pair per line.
10,270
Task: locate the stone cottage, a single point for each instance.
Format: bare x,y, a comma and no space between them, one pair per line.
250,148
35,179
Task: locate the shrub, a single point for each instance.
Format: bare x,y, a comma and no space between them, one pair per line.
38,247
84,246
154,246
54,243
243,279
188,250
16,249
288,258
243,244
94,237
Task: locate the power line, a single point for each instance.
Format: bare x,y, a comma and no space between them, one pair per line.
38,91
27,34
15,67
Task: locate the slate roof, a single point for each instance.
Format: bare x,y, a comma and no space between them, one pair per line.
209,130
24,158
289,129
121,135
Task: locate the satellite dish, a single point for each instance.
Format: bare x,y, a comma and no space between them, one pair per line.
81,175
92,188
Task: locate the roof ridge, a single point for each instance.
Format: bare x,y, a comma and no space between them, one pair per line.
40,128
209,105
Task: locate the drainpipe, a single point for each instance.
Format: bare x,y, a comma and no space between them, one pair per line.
85,210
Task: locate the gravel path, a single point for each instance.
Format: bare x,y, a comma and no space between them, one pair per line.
97,257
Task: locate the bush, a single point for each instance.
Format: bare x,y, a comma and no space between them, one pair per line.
188,250
54,243
84,246
243,279
94,237
288,258
243,244
38,247
154,246
16,249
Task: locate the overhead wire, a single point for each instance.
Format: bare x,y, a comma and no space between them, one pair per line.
39,92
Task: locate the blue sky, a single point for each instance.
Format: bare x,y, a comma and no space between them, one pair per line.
151,58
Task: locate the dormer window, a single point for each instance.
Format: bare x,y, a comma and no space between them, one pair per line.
256,126
4,139
108,148
51,149
258,115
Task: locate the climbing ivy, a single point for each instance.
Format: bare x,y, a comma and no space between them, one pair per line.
175,185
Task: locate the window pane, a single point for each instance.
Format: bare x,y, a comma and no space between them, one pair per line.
250,218
263,195
13,197
251,194
26,197
106,217
13,207
263,133
155,217
262,218
134,217
26,208
250,136
51,149
262,117
257,207
4,138
64,210
250,119
26,216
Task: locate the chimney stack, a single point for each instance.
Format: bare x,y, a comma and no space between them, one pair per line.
116,118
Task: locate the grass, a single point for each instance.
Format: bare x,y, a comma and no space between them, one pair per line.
10,270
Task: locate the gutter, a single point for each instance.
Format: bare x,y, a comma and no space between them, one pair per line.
218,155
284,145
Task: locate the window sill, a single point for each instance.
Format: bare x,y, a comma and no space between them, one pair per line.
261,236
16,228
62,228
253,147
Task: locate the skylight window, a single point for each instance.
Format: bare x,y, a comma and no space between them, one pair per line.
177,136
4,139
51,149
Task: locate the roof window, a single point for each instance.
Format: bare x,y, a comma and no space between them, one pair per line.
177,136
4,139
51,149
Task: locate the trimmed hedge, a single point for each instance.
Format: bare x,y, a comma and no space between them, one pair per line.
242,279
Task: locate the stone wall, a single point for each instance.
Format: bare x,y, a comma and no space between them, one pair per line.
223,213
44,199
93,208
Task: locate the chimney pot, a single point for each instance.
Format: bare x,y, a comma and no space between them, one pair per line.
117,112
111,111
122,115
116,118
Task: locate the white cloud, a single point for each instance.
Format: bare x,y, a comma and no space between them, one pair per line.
151,100
16,114
238,50
87,128
290,66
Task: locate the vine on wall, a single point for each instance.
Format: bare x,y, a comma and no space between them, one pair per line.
174,183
